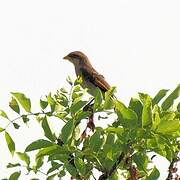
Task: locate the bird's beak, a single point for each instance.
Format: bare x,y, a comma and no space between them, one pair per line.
66,57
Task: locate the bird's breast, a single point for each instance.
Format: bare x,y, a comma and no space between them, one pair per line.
85,81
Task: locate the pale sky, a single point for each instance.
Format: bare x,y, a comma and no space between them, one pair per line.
135,44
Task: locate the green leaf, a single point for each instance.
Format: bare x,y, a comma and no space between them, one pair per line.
125,112
54,167
169,153
96,141
63,90
80,165
47,130
71,169
98,98
63,157
3,114
10,143
178,107
41,143
62,173
39,162
142,97
81,115
110,139
78,81
114,176
15,176
51,177
147,111
25,119
16,126
63,100
51,150
43,104
23,100
169,127
168,102
77,88
156,117
141,161
77,106
154,174
159,96
168,116
69,80
136,106
14,105
51,102
116,130
108,103
67,130
109,153
125,115
24,157
1,129
10,165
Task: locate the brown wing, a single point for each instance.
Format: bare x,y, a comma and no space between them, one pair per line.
95,78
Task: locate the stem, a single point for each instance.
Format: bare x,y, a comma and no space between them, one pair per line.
39,171
113,169
29,114
171,168
170,174
93,177
70,96
122,156
133,173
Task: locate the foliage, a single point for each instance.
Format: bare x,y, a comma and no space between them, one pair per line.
121,148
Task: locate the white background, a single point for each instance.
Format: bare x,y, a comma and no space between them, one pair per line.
135,44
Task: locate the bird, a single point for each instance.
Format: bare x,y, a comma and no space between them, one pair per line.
91,79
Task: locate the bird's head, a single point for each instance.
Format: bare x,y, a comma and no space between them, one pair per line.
77,58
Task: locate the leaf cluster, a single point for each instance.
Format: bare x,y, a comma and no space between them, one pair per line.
147,124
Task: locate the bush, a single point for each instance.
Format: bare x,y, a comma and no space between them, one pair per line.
119,149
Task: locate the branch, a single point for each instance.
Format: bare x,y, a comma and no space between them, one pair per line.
29,114
21,116
37,170
71,157
172,168
113,169
133,173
